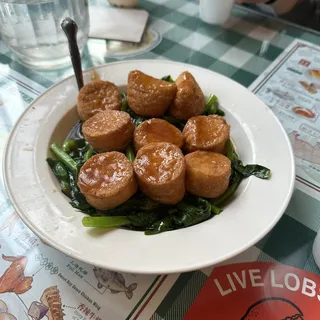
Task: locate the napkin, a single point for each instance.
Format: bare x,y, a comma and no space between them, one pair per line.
117,24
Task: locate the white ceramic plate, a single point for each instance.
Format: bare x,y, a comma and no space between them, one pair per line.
259,204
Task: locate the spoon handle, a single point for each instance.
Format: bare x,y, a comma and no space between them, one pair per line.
70,28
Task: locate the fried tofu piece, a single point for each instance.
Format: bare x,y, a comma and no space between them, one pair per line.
148,96
98,96
208,174
109,131
207,133
160,171
189,100
156,130
107,180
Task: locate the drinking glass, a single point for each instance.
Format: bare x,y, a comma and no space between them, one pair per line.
31,29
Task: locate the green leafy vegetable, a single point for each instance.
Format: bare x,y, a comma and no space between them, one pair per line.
137,203
231,154
186,215
69,145
58,169
89,153
163,225
136,119
105,222
65,159
78,201
82,153
251,170
138,221
190,215
239,173
148,204
65,188
225,198
168,79
124,103
142,213
66,170
130,153
61,173
143,220
212,106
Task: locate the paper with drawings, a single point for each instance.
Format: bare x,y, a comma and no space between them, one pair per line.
291,88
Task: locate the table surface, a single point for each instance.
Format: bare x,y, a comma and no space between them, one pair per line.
241,49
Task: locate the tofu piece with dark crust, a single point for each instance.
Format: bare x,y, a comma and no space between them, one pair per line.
107,180
156,130
208,173
98,96
148,96
206,133
109,131
160,171
189,100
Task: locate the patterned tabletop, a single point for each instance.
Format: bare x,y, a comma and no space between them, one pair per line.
241,49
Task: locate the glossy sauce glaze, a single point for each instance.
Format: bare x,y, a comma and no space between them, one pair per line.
148,96
98,96
159,163
106,121
209,133
189,100
156,130
209,163
104,171
109,130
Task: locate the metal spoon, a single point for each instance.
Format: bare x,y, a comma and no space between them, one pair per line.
70,28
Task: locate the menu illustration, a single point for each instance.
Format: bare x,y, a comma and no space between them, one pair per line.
291,88
38,282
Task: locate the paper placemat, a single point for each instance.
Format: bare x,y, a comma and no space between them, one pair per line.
291,88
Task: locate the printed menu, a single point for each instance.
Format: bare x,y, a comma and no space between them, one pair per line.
258,291
291,88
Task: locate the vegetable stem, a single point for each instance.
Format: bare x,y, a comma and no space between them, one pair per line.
124,104
65,159
229,150
105,222
88,154
212,106
130,153
215,210
69,145
231,154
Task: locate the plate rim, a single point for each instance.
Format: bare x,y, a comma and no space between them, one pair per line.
54,244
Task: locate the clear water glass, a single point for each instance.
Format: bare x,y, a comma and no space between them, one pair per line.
31,29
